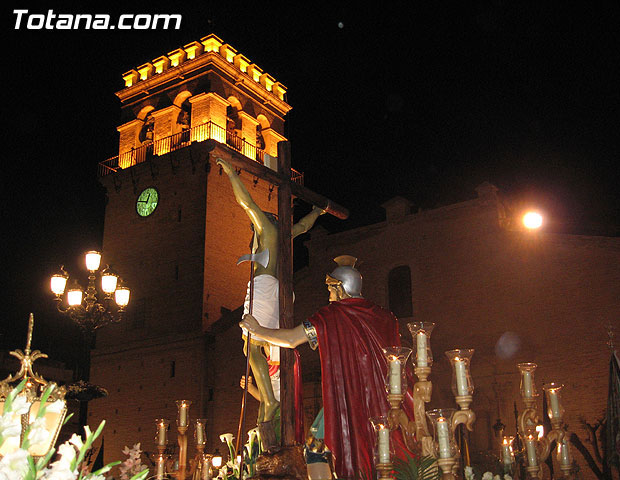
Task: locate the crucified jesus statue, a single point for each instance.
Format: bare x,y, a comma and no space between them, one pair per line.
265,299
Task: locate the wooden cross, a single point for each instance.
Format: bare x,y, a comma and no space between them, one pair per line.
286,190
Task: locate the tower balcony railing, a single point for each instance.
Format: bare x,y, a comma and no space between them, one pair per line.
185,138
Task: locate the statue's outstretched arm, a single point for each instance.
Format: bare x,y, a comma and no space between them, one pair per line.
306,223
281,337
243,197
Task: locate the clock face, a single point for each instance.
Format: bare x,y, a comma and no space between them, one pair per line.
147,202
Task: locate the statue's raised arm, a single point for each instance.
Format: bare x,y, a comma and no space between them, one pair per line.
265,290
264,224
257,216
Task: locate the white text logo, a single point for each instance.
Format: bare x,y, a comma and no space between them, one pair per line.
99,21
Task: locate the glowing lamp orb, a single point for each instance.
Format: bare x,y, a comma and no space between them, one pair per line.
121,296
74,297
58,284
93,260
532,220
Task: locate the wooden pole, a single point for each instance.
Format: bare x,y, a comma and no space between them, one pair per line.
285,276
244,399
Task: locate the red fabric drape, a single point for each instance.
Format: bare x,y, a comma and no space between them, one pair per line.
351,335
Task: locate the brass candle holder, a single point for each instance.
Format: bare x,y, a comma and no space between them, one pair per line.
416,432
538,447
199,467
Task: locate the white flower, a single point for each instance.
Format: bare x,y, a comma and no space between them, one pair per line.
21,405
253,435
14,465
38,432
497,477
226,438
55,407
469,473
61,469
76,440
67,454
507,477
487,476
10,425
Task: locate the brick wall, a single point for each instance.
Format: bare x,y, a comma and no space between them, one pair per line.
144,379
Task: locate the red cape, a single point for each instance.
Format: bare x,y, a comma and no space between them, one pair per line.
351,334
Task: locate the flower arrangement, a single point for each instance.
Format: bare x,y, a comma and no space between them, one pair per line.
252,449
470,475
21,465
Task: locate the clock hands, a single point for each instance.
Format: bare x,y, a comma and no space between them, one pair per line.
145,201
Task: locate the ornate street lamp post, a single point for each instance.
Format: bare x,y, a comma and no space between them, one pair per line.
90,309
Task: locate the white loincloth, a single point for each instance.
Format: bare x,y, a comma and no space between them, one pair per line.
265,309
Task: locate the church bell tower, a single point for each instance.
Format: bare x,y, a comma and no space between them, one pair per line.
174,231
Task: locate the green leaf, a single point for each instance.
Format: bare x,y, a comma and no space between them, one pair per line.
105,469
87,444
64,422
141,475
44,398
8,402
43,461
415,468
32,471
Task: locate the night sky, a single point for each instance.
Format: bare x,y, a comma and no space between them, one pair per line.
424,100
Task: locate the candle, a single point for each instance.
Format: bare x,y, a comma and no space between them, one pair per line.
200,433
554,403
443,438
384,444
206,468
461,377
160,467
564,457
183,408
527,384
530,444
395,380
421,355
161,434
506,452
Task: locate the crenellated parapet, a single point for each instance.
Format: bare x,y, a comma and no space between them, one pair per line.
203,91
191,57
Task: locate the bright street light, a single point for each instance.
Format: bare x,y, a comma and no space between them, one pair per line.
532,220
